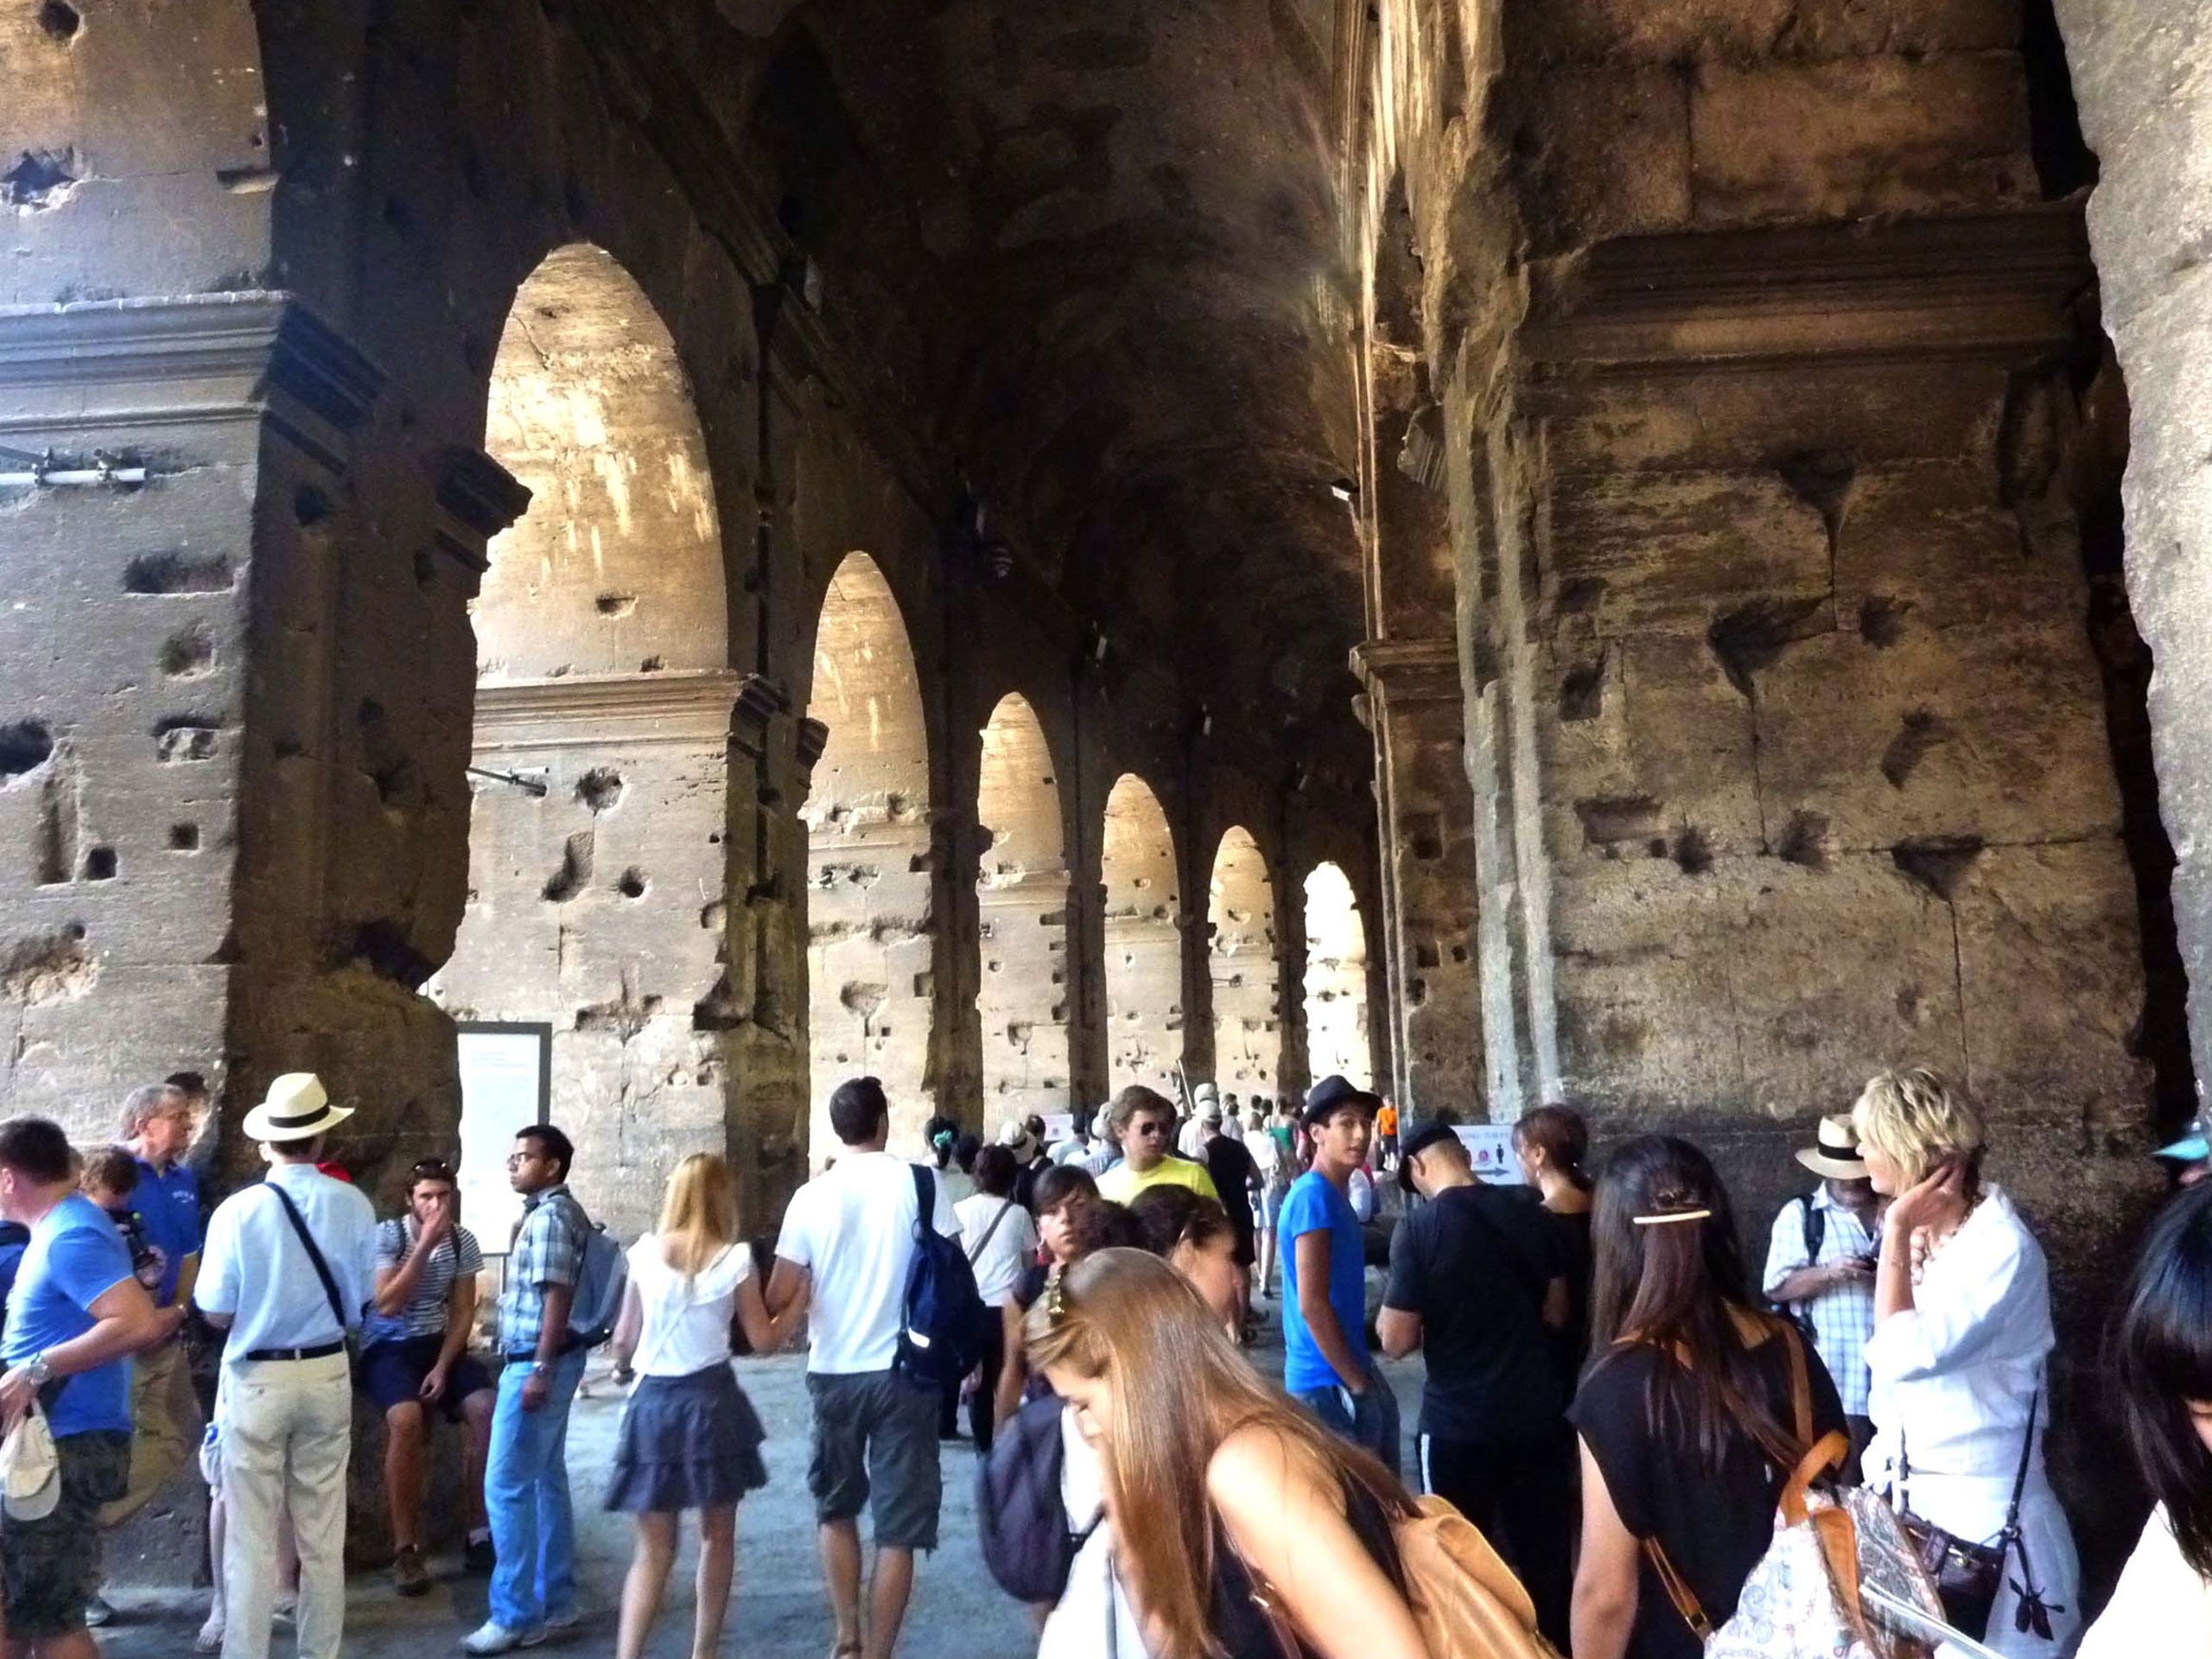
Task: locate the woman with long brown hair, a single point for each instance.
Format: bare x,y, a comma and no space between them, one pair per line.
1219,1491
1551,1144
1687,1415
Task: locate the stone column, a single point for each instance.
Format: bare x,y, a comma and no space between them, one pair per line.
2145,109
1426,932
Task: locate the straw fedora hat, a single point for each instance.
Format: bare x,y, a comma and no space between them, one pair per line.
1836,1156
296,1109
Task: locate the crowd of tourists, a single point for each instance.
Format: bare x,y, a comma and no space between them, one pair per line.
1609,1398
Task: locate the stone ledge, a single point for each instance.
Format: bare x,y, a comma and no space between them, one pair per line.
1985,286
580,711
1408,670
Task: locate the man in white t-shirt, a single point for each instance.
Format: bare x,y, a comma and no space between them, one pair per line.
846,1242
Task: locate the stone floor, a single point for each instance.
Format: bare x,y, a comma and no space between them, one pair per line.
776,1611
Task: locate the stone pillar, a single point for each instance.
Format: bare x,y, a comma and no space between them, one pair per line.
2145,111
1426,932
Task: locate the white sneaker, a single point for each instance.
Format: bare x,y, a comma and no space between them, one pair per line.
493,1636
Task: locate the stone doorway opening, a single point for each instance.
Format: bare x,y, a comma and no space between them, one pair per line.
1022,899
597,862
1336,979
1144,939
1241,958
870,997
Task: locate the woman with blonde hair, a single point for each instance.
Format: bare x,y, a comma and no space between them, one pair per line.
1219,1491
689,1439
1961,1333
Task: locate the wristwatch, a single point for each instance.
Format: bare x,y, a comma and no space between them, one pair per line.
38,1370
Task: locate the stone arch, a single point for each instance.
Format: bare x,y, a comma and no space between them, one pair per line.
1021,898
597,856
1241,958
868,864
1143,937
1336,978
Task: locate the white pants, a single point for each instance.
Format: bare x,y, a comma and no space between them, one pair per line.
288,1431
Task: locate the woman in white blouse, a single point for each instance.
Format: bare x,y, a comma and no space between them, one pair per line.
1961,1332
2163,1601
689,1439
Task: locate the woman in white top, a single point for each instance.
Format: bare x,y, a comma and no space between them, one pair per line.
689,1439
2163,1600
1961,1332
1001,1241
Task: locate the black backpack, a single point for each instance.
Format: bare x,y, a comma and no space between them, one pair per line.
1816,1231
1020,1518
946,1325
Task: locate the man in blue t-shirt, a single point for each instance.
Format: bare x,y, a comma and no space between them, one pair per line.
76,1317
1326,1366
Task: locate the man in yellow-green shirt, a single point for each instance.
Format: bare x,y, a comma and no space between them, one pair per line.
1146,1123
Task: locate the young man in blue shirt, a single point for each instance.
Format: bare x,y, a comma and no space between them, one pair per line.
76,1317
1326,1366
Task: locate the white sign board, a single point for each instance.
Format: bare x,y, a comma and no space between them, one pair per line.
1490,1148
1058,1126
503,1074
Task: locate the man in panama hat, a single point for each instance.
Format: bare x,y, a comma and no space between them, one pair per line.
289,1265
1819,1263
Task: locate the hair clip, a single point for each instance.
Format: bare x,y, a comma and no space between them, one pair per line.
1672,1215
1056,1297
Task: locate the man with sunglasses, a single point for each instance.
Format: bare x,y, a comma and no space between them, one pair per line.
415,1360
1146,1123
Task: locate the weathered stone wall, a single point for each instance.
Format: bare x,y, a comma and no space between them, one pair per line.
1025,992
1144,910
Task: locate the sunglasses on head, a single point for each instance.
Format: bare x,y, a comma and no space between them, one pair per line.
433,1169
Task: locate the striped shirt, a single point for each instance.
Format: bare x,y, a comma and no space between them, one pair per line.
458,1253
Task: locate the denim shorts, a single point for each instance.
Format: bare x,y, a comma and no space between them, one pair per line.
875,1447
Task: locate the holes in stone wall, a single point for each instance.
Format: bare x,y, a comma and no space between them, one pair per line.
60,20
177,573
568,880
599,789
100,864
631,884
1239,914
49,967
181,737
1144,965
1918,734
189,655
184,837
25,746
38,179
616,604
1582,693
310,507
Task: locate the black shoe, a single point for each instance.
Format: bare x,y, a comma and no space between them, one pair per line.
478,1556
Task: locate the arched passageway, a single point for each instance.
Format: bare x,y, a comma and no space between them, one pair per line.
867,861
1336,978
1144,951
1240,956
596,855
1021,898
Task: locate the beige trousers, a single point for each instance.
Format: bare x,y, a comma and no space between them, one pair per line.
287,1435
162,1437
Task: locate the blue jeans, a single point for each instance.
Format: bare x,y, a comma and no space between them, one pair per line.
1369,1420
526,1497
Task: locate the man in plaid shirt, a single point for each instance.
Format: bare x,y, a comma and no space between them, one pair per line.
1819,1264
533,1591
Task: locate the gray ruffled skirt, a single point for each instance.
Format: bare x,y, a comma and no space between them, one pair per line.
686,1443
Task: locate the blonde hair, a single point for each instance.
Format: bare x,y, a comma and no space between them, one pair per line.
1914,1119
698,1213
1180,1389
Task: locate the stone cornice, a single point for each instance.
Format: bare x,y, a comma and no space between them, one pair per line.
119,362
481,494
1408,670
1984,286
628,710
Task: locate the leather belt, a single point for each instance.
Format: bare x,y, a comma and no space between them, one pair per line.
320,1350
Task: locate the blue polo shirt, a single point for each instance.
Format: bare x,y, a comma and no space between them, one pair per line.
1312,1206
168,1209
75,1258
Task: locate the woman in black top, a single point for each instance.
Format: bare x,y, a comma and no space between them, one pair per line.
1687,1413
1216,1486
1550,1143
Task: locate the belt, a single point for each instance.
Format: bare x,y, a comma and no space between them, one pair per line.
320,1350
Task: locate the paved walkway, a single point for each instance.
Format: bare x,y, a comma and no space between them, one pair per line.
777,1610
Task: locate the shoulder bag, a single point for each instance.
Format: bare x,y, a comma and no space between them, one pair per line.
1969,1575
314,1255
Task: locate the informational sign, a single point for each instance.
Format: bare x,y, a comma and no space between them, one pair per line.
1058,1126
1490,1148
506,1086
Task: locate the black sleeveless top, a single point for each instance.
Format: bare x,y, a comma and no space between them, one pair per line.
1241,1627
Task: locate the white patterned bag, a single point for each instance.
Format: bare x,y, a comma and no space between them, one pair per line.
1837,1582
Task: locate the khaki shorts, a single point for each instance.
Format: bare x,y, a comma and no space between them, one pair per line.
875,1447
